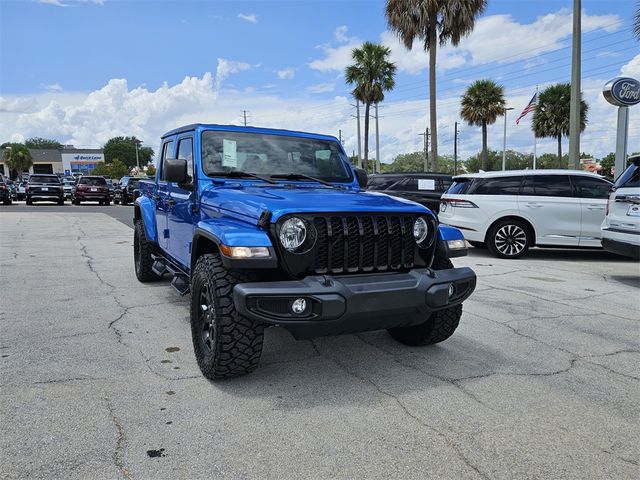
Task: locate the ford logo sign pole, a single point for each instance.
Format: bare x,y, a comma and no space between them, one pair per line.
622,92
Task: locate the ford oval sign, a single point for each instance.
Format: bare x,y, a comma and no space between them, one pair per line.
622,91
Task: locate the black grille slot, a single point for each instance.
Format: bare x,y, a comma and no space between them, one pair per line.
368,242
336,245
382,243
353,242
322,251
409,242
395,242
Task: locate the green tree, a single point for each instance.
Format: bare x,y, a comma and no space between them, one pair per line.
42,143
372,73
481,105
551,116
405,162
17,157
550,160
118,169
607,163
102,169
513,161
151,170
431,22
124,149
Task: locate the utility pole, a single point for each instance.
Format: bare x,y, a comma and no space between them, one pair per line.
340,136
426,148
455,148
378,167
137,158
244,114
359,137
574,114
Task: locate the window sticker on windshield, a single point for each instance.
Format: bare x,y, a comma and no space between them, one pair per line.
426,184
229,153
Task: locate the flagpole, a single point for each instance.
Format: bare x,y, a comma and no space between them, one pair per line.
534,137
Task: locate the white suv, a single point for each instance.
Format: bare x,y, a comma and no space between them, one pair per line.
508,212
621,226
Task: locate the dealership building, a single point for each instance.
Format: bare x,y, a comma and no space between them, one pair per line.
66,161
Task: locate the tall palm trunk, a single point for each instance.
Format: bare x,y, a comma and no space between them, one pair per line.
366,136
432,93
484,146
559,151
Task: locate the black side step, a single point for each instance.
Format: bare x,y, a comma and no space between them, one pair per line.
180,281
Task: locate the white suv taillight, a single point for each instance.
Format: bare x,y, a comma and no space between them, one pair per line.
459,203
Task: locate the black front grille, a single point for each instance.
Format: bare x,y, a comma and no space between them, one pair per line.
363,243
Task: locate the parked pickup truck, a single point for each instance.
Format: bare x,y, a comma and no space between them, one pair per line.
271,227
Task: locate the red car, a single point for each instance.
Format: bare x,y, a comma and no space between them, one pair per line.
92,189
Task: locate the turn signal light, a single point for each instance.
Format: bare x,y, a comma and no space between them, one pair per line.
245,252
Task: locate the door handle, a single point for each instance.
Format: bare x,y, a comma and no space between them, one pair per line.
534,205
596,207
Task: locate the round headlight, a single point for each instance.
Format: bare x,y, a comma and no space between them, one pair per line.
293,233
420,230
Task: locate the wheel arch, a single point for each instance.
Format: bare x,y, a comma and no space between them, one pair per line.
203,242
144,211
524,221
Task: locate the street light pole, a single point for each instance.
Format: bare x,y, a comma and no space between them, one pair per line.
137,159
504,141
574,113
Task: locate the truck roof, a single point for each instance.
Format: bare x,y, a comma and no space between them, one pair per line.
199,127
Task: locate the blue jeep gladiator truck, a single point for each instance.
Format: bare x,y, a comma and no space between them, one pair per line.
271,227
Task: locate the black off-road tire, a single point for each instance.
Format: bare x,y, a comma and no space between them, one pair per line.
142,250
509,230
439,326
225,343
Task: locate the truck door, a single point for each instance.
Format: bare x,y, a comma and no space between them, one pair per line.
181,218
161,196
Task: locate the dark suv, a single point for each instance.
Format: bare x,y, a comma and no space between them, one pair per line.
423,188
124,190
44,187
5,192
92,189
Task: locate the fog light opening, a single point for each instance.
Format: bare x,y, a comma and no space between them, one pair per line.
452,290
299,306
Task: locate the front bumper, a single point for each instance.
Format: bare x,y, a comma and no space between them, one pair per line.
354,303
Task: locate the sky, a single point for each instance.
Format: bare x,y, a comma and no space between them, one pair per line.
83,71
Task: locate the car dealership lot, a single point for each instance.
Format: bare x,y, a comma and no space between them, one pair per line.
99,378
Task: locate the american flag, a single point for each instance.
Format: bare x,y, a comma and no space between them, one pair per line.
531,106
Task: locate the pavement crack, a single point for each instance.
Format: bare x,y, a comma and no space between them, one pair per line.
451,381
456,448
120,444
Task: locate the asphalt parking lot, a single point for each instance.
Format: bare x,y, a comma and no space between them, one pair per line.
99,380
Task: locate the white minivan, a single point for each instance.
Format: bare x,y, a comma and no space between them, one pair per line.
509,212
621,226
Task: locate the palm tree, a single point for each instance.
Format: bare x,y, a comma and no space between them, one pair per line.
551,116
482,104
17,157
636,22
432,22
372,73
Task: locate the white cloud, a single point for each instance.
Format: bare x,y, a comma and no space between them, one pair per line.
16,105
322,87
286,74
226,68
60,3
632,69
53,87
495,38
251,17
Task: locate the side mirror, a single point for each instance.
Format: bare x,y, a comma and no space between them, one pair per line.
361,175
175,170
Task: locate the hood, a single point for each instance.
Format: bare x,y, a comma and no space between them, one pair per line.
251,200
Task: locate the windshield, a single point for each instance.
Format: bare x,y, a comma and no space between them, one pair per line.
43,179
273,155
92,181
